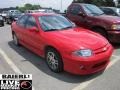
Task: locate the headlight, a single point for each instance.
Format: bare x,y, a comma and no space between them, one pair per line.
83,53
115,27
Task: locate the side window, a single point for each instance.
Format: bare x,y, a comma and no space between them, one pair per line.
109,11
31,22
75,10
22,21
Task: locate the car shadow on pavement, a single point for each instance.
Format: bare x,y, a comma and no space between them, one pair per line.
40,63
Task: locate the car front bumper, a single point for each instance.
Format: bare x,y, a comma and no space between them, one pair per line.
90,65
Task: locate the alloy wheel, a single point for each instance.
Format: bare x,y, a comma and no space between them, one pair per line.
52,60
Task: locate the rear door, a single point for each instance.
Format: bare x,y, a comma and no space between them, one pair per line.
20,28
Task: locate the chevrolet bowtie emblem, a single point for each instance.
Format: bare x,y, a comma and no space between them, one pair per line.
104,49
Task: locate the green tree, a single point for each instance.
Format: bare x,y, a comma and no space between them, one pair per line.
22,9
28,7
109,3
36,7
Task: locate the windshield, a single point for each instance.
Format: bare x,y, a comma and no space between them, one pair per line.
92,10
15,14
54,22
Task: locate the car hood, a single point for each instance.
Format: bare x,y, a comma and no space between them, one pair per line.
112,19
79,38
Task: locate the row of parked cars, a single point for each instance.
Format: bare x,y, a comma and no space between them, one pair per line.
77,44
9,16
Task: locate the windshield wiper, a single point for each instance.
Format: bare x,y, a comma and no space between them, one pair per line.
94,13
51,30
68,27
97,14
58,29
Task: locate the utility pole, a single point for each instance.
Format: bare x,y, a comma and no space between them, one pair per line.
61,5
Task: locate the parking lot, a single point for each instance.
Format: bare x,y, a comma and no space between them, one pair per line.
15,59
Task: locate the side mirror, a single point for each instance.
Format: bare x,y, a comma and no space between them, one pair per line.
33,29
81,14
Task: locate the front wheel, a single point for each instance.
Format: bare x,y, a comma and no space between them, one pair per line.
3,24
54,60
101,32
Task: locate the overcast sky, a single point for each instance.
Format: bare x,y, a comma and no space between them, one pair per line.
56,4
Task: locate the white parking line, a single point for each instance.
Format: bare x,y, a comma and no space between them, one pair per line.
83,85
11,64
115,56
113,61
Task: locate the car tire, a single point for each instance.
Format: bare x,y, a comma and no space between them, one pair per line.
15,40
10,22
7,21
3,24
101,32
54,60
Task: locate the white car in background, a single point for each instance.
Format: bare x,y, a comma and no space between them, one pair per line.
40,10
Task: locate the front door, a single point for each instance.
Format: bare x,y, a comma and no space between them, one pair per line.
32,37
75,17
20,28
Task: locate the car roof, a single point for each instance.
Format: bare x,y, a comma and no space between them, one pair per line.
110,7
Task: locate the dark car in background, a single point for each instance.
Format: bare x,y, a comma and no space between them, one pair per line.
1,21
12,16
92,17
111,11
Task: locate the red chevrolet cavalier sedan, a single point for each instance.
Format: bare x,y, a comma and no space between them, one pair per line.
63,45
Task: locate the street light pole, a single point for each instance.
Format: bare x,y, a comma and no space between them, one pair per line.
116,2
61,5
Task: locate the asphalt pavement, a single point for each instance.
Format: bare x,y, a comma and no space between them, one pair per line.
14,59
